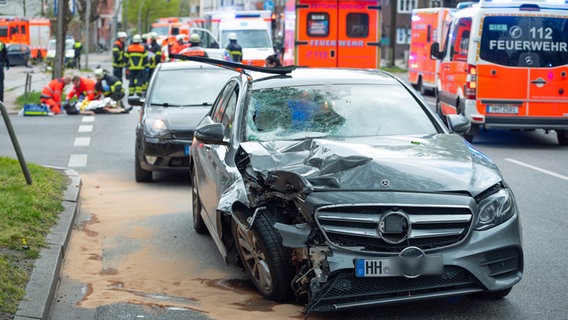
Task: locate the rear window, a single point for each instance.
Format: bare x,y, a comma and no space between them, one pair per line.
188,87
522,41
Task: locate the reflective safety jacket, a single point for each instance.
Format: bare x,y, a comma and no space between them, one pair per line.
196,51
85,89
118,59
235,51
53,90
157,57
110,81
136,57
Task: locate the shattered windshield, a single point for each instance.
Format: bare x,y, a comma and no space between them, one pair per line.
291,113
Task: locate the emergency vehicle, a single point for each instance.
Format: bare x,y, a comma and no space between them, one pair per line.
505,65
32,32
253,29
428,25
332,33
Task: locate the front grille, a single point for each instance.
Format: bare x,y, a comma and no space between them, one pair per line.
182,135
357,227
347,289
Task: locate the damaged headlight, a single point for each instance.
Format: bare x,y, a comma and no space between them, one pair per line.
156,128
495,209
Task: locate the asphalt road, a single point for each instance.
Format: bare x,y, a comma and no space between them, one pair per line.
146,245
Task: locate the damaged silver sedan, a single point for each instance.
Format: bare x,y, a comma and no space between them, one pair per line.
341,189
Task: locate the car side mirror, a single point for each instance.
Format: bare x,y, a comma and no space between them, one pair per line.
435,51
211,133
135,101
458,123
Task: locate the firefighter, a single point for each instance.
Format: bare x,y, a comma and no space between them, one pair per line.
78,48
179,45
83,88
137,57
109,85
195,48
235,50
4,62
51,93
118,59
154,56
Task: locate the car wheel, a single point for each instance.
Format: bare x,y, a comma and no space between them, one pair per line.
439,110
140,174
493,294
420,86
266,261
473,130
198,223
562,136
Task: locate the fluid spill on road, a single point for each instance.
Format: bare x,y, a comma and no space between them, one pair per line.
138,246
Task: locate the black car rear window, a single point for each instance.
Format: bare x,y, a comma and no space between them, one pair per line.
525,41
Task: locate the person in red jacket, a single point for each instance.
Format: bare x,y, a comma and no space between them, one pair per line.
51,93
83,88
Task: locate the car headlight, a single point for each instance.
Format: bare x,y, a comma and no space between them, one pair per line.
156,128
495,209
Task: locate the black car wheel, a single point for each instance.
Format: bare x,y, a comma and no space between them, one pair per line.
266,261
198,223
140,174
562,136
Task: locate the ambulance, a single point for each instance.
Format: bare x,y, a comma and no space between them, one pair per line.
35,32
505,65
332,33
427,26
253,29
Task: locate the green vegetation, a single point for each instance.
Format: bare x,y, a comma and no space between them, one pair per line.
394,69
27,213
33,97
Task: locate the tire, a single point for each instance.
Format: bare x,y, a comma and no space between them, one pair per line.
493,294
562,136
473,130
439,110
198,223
266,261
420,87
140,174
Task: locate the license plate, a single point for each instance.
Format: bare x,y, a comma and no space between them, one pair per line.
508,109
187,150
396,267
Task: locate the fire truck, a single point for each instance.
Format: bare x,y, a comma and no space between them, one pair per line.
332,33
428,25
504,65
33,32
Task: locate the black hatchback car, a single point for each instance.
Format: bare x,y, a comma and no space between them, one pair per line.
341,187
19,54
178,96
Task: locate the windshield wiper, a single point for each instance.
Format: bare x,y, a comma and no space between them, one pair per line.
167,104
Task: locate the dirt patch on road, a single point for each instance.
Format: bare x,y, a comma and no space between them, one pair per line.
123,253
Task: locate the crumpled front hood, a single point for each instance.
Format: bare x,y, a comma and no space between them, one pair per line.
437,163
179,118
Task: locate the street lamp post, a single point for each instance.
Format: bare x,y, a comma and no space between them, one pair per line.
140,14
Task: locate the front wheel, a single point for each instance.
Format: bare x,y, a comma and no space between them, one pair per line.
562,136
266,261
473,130
198,223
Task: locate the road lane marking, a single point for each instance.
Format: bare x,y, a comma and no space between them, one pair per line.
82,142
526,165
88,119
77,160
86,128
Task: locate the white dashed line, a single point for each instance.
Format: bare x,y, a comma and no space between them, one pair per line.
77,160
82,142
86,128
526,165
88,119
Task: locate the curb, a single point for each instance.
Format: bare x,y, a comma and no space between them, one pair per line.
44,279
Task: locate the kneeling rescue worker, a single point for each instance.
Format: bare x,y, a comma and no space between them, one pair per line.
109,85
51,93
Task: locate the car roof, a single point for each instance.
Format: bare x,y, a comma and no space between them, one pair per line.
184,65
312,76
